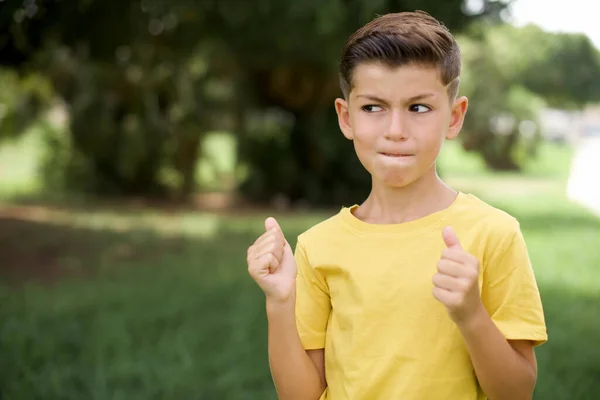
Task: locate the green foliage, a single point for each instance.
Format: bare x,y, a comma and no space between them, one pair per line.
21,100
310,162
544,63
142,93
510,75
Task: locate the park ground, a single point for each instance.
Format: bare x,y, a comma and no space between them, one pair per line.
128,302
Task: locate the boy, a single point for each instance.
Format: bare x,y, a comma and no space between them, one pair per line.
421,292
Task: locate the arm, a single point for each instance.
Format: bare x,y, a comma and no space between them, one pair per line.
297,374
494,326
505,369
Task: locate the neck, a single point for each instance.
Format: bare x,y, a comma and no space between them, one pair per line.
389,205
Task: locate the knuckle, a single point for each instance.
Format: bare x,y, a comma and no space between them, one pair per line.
444,264
441,266
471,272
251,269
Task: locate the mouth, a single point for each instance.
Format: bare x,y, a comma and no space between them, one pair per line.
396,155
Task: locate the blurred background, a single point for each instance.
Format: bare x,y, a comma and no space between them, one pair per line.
143,142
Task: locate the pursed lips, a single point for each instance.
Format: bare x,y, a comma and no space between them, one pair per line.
395,154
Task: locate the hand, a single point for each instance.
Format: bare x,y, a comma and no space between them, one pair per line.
271,263
456,284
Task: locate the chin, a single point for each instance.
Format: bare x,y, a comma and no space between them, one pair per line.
397,184
395,174
396,179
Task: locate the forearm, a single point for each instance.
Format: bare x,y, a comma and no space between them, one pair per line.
502,372
294,373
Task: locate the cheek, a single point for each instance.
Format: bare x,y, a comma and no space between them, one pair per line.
364,138
365,132
433,143
363,147
431,136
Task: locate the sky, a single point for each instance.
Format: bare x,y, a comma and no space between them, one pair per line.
573,16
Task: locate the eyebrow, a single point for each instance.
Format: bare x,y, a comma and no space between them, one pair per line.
409,100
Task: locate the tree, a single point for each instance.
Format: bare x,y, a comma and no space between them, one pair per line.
509,75
143,80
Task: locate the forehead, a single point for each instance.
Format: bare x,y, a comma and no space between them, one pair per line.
396,82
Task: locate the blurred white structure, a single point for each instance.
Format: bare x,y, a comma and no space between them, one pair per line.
560,125
584,181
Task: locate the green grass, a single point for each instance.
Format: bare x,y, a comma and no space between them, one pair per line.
159,304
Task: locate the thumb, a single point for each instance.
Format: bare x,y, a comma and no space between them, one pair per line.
450,238
271,223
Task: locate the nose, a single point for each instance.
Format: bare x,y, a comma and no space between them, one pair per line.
396,130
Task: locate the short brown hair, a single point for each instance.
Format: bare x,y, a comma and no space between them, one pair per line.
398,39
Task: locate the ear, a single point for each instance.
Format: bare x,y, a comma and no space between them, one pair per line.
457,117
341,108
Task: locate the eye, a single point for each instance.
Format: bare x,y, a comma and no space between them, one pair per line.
370,108
419,108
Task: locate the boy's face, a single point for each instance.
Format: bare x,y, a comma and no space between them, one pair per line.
398,119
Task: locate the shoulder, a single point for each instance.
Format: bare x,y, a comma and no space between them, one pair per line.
480,215
473,209
489,228
325,231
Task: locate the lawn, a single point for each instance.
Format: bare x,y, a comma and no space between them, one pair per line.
133,303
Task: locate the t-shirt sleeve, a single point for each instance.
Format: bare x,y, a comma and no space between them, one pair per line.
510,292
313,304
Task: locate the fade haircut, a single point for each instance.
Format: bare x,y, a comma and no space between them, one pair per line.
398,39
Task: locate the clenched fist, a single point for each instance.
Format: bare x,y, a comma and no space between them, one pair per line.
456,284
271,263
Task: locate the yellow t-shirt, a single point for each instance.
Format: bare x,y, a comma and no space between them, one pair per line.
364,294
